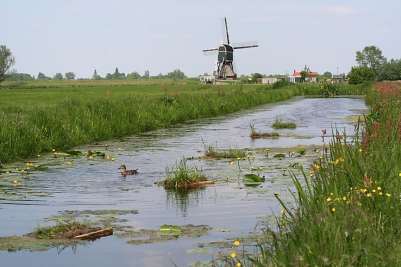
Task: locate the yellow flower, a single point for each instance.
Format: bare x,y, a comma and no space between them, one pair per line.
373,191
360,150
238,158
236,243
399,174
53,150
333,209
387,194
238,264
380,193
379,188
233,254
328,199
368,194
344,198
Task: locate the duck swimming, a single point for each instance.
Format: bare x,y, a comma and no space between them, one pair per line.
124,172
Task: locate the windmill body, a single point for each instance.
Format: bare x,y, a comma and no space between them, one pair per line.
225,57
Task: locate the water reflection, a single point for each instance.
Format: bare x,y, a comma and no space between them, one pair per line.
182,199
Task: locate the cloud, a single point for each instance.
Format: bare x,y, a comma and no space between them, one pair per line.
339,10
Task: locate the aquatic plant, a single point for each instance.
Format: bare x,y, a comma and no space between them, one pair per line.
231,153
256,135
251,179
181,176
280,124
62,230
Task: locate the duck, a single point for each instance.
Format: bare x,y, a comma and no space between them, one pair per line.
124,172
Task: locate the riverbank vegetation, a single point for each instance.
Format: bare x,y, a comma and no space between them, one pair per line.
348,209
40,116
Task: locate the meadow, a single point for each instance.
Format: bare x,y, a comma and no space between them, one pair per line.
348,207
39,116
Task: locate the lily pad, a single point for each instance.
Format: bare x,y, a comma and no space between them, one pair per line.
251,179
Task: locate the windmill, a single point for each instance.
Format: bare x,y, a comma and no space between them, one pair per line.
225,57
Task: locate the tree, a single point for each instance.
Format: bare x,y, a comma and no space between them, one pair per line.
361,74
117,75
133,75
15,76
390,71
327,75
58,76
42,76
6,61
96,76
255,77
370,57
70,76
304,74
176,75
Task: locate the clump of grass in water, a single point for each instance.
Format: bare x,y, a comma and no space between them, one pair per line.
280,124
231,153
62,230
184,177
255,134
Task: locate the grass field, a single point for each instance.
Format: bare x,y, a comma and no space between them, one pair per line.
349,211
39,116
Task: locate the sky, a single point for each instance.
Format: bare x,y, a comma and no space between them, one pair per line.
53,36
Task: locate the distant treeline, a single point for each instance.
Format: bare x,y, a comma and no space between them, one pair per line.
116,75
373,66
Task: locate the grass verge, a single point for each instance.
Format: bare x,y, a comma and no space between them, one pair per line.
348,210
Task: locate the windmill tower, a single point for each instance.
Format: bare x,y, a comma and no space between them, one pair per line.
225,56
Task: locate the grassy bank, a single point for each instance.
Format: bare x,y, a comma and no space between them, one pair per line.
349,211
39,117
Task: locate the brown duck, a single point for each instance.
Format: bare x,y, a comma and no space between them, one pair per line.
124,172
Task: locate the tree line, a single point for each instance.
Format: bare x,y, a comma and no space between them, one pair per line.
7,60
373,66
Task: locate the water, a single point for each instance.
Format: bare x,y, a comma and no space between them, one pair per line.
228,207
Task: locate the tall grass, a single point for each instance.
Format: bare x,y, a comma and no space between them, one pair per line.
34,121
349,211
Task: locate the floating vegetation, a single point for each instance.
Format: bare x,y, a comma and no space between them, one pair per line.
61,234
62,231
184,177
256,135
251,179
164,233
279,156
279,124
69,229
301,151
212,152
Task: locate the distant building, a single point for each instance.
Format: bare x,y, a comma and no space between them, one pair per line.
296,76
269,80
339,78
206,78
